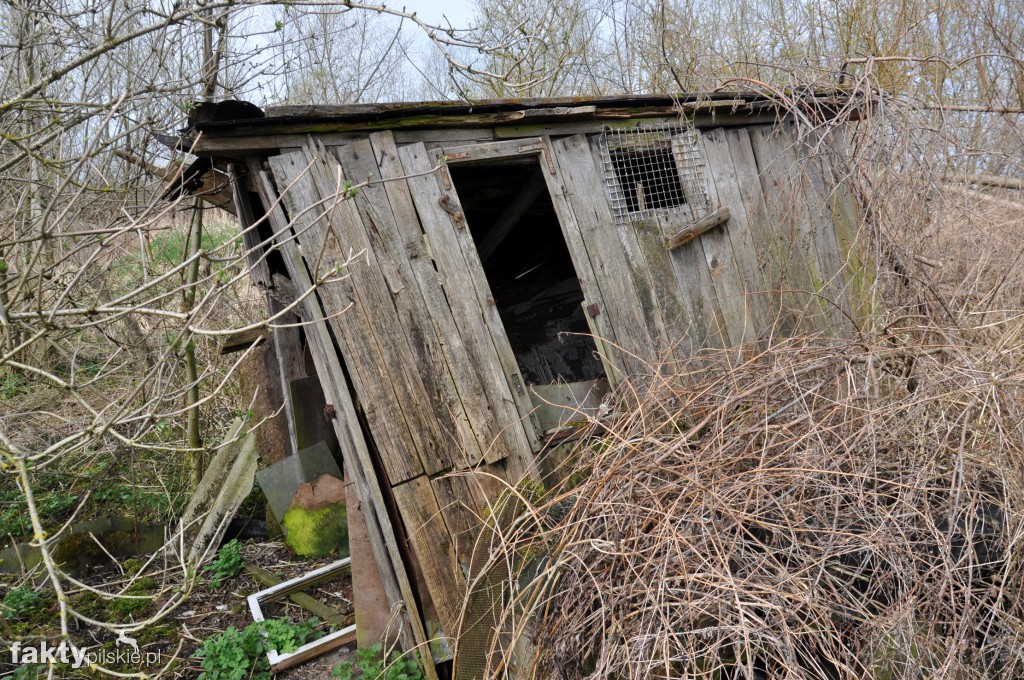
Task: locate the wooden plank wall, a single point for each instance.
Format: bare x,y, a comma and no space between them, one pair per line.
777,267
408,314
402,293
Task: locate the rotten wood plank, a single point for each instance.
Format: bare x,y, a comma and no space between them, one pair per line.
749,208
706,327
819,195
729,289
330,232
786,211
481,420
628,310
848,221
434,549
490,150
469,297
359,465
382,301
414,312
593,298
291,363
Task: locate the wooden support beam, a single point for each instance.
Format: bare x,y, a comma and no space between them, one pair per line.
522,202
692,231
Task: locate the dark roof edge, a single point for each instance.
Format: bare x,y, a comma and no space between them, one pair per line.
379,113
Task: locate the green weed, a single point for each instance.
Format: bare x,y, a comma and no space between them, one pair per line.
227,564
236,654
19,603
371,664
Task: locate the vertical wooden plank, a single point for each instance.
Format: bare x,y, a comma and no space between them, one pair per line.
458,355
377,301
681,338
819,191
468,294
692,276
434,549
254,249
642,272
629,310
359,466
847,217
780,180
482,422
385,241
462,515
593,295
747,281
643,247
750,202
311,217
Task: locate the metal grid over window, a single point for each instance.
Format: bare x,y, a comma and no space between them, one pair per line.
648,169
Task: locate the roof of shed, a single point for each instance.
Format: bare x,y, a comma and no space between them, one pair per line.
496,111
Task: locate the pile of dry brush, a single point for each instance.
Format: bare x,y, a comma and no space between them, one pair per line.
826,509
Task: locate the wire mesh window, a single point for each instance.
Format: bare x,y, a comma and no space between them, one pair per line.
648,169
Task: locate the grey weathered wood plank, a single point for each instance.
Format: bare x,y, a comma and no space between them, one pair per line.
414,311
706,327
780,179
725,271
462,515
679,340
359,466
819,195
379,303
628,309
468,295
722,170
459,356
849,226
641,273
314,220
433,546
593,295
489,150
750,207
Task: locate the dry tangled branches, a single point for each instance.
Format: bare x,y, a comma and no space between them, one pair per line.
822,511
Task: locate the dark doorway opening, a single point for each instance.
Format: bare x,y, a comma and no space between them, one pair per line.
527,263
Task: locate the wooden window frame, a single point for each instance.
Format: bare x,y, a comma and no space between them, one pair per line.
279,662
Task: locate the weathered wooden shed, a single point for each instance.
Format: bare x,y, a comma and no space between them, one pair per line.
479,266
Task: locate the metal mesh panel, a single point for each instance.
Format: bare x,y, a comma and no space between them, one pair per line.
649,168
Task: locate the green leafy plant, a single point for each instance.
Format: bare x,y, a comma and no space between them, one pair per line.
19,602
372,664
236,654
227,564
